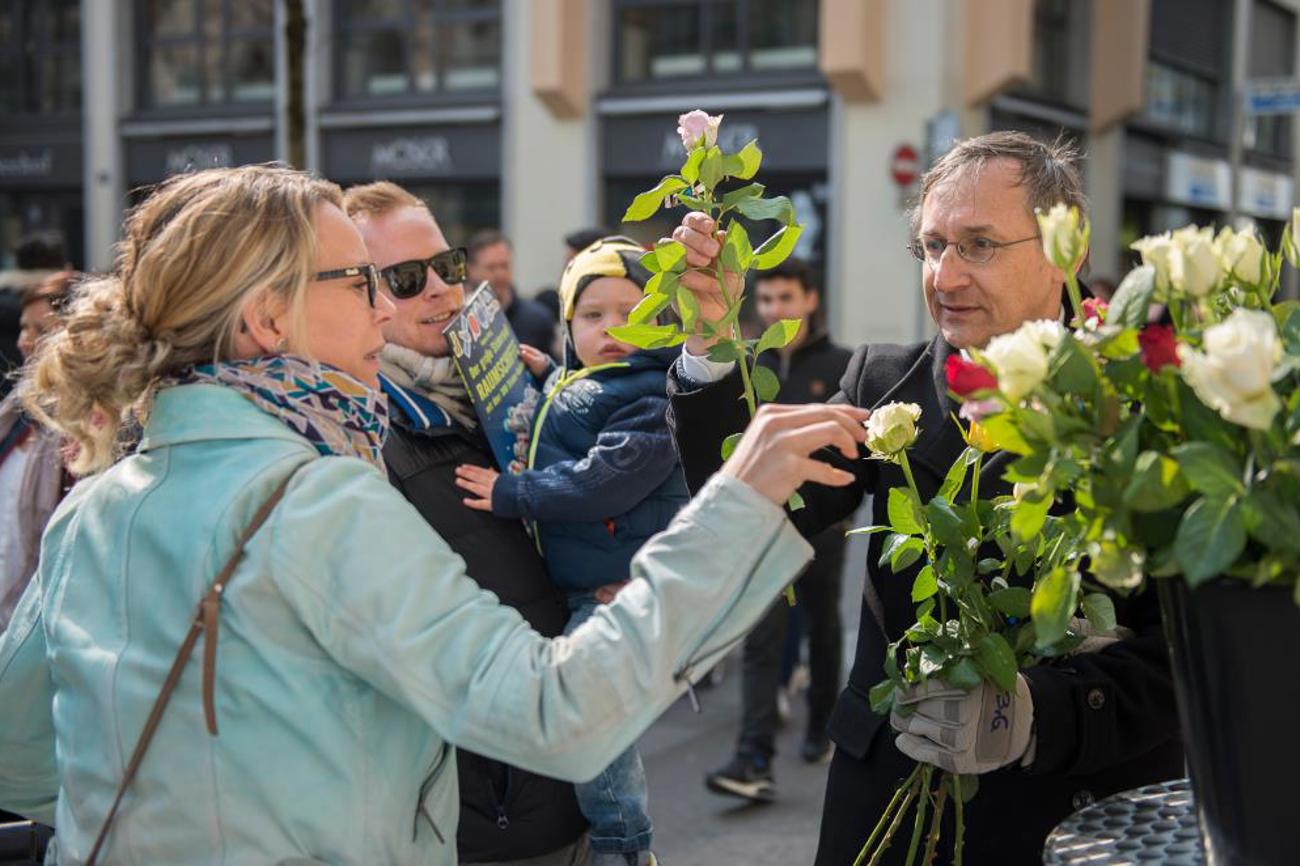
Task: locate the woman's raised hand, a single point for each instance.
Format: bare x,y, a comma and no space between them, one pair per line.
774,455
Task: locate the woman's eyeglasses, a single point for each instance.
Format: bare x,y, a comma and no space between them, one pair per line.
408,279
367,271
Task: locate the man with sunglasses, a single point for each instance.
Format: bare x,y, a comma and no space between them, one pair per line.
1075,729
507,815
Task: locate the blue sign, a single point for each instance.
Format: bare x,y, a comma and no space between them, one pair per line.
1280,97
486,355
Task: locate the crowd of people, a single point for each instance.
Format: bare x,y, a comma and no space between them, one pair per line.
265,592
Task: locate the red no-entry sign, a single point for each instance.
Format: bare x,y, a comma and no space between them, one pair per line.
904,165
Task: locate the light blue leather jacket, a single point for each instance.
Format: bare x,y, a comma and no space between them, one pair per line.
352,651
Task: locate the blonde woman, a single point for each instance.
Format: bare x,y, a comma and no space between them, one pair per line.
348,648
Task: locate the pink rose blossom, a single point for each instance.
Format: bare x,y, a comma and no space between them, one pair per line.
694,125
977,410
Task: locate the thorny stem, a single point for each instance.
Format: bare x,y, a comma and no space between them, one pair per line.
907,783
918,827
898,819
958,803
936,826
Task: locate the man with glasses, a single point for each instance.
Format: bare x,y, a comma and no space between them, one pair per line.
1075,729
507,815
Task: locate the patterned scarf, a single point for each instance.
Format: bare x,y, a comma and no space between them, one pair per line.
338,413
435,379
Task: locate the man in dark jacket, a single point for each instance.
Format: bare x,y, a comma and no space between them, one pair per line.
1100,721
507,815
491,260
809,369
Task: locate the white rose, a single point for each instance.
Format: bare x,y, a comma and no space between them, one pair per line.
1194,268
1064,240
1234,373
892,427
1242,255
1020,359
1157,251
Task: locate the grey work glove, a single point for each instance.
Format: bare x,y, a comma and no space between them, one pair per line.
964,732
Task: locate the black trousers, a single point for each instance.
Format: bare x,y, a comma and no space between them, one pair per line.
818,589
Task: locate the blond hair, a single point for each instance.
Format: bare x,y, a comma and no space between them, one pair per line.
193,255
370,200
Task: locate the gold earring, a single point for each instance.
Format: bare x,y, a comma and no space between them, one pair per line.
281,345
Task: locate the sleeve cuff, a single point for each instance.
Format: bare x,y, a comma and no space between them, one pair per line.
698,370
505,496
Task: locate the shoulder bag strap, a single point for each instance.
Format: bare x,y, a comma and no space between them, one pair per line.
205,623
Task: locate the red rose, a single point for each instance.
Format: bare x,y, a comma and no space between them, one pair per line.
966,377
1095,308
1159,347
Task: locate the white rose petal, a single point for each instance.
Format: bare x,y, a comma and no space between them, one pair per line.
1157,251
1234,373
892,428
1063,241
1241,255
1020,359
1194,268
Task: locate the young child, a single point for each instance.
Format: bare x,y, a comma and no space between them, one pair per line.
602,478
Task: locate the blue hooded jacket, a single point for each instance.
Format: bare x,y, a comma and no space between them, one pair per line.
604,474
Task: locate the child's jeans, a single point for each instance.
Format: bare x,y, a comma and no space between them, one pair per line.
614,803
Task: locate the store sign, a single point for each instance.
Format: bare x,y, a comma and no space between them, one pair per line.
196,157
1272,96
1266,194
411,156
33,163
1199,182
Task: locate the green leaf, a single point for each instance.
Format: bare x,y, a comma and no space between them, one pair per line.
1271,521
736,250
1003,432
1028,517
906,555
751,159
736,196
1073,369
1053,604
794,503
956,477
766,384
1156,484
966,786
882,697
1012,601
724,352
711,170
999,661
945,522
926,584
778,208
729,445
671,256
1210,537
691,169
1210,469
963,675
778,335
1100,611
869,530
777,248
1128,307
650,261
648,336
647,204
689,307
648,309
904,510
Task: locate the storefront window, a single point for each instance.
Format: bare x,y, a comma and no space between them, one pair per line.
462,209
668,39
1061,52
40,56
207,52
408,47
1180,100
1272,55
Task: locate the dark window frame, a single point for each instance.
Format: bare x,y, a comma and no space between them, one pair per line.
207,105
443,18
744,78
31,47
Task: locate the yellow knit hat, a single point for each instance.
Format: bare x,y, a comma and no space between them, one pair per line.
614,256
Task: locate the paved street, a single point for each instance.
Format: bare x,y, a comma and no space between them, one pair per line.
694,827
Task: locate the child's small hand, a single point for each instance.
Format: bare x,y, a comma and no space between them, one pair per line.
535,360
479,481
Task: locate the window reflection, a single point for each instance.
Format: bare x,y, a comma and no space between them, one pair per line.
207,52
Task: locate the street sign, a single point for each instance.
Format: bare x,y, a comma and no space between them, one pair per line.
904,165
1272,96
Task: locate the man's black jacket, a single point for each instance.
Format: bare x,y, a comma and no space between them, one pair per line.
811,372
1105,721
506,813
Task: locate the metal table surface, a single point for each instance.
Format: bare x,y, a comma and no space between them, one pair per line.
1153,824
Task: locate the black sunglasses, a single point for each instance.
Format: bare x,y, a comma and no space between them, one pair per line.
369,271
408,279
